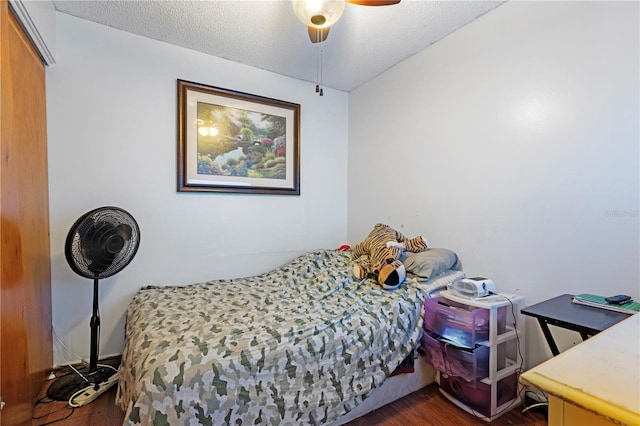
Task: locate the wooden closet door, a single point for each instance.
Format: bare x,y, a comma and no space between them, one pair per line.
25,274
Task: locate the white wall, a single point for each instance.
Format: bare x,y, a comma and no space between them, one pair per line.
111,101
515,142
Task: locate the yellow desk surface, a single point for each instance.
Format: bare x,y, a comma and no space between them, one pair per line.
600,375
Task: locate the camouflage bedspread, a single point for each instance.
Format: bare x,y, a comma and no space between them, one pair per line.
302,344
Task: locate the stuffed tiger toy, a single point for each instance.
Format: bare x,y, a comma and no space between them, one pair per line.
383,246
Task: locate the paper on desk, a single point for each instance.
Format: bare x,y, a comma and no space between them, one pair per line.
599,302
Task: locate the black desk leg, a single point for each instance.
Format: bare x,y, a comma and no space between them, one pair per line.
548,336
584,335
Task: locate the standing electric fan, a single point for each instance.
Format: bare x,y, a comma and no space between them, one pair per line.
99,244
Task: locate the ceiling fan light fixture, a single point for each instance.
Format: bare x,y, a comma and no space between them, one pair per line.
318,13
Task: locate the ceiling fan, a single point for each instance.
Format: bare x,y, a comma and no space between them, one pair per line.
320,15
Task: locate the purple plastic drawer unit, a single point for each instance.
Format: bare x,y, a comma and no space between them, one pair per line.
469,365
477,396
461,324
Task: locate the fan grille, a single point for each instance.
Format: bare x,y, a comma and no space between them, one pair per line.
102,242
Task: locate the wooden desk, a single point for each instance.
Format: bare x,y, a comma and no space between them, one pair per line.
596,382
561,312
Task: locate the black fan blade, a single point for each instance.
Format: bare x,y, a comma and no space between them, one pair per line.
87,227
100,266
102,243
117,239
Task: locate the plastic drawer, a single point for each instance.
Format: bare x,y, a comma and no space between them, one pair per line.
477,396
459,323
469,365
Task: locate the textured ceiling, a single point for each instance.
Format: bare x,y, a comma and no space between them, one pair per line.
266,34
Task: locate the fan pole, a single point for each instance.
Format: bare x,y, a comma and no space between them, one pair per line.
95,325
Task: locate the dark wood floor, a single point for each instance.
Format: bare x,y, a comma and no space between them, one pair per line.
424,407
427,407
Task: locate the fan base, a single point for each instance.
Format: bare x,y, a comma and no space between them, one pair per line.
64,387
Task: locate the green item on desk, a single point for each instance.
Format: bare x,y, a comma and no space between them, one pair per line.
599,302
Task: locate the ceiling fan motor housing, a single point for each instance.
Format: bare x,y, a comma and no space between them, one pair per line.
318,13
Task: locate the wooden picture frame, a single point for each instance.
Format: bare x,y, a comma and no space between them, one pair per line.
235,142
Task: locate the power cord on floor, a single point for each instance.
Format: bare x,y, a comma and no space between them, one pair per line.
531,403
47,400
539,404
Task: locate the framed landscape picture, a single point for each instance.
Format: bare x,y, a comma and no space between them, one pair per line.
235,142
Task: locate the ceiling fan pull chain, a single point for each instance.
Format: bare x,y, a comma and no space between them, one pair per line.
318,62
321,91
317,69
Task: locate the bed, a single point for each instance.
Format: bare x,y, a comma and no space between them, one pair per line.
306,343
